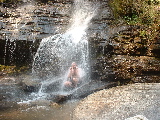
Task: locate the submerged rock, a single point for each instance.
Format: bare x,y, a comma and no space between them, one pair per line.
9,91
120,103
54,105
4,105
28,84
83,91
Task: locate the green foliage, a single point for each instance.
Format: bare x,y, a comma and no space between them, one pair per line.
10,70
136,11
142,33
7,69
145,13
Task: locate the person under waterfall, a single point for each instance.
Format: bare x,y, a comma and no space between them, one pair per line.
73,76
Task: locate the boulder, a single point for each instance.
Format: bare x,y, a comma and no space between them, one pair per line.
120,103
9,80
28,84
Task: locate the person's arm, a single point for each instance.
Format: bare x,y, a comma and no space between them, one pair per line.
69,74
78,74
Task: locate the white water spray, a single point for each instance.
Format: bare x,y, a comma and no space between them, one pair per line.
83,13
56,53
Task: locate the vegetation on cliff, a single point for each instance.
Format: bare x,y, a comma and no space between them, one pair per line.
12,70
144,13
137,48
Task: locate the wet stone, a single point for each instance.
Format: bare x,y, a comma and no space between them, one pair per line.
127,67
54,105
121,102
4,105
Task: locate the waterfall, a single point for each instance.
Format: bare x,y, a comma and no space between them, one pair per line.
56,53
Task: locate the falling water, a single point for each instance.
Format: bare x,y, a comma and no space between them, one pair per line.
56,53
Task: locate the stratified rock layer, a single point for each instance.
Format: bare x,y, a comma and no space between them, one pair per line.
127,57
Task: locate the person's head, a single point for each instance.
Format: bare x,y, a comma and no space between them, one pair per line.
73,64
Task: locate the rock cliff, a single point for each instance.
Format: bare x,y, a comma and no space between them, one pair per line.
120,53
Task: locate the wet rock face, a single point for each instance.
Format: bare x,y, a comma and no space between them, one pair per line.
120,53
134,68
134,57
127,57
134,42
120,103
22,29
17,52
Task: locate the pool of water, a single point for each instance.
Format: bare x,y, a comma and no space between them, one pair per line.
19,105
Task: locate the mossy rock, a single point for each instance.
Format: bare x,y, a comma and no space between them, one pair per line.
12,70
